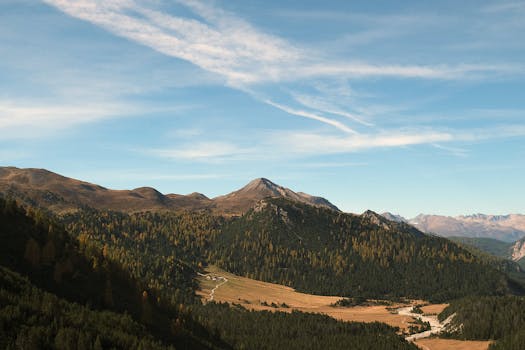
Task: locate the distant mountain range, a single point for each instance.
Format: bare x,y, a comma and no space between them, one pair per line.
500,235
62,194
507,228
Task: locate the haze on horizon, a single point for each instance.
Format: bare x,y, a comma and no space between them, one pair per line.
409,108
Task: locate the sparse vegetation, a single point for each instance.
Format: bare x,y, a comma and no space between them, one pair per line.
417,309
418,326
348,302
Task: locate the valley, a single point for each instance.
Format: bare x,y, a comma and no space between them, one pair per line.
262,175
256,295
270,256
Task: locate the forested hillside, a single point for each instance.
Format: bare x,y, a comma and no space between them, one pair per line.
35,245
34,319
164,249
296,330
312,249
488,318
73,284
488,245
321,251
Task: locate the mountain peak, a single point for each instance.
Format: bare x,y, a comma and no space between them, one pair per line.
198,195
393,217
64,194
262,181
265,188
261,188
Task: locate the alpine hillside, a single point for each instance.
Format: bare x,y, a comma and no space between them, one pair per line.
40,187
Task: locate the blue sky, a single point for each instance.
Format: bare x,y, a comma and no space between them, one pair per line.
410,107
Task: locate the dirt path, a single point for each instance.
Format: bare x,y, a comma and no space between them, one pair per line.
214,278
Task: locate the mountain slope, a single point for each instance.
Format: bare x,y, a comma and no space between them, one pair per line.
31,243
508,228
321,251
518,252
42,188
500,319
35,319
39,187
393,217
489,245
249,195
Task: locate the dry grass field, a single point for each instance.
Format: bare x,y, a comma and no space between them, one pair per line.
451,344
251,294
433,309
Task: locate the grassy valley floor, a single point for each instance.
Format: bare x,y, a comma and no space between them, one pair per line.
221,286
258,295
451,344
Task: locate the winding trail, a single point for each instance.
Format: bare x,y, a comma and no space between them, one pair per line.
224,280
435,325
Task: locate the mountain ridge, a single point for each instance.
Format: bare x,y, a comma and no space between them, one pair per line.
507,228
41,187
262,188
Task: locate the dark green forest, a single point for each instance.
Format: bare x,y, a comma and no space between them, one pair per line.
488,245
325,252
35,245
82,292
33,319
296,330
488,318
312,249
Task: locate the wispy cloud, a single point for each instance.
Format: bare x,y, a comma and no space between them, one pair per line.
282,146
316,165
34,118
245,57
494,132
505,7
312,144
225,44
458,152
222,43
30,119
322,104
359,70
205,151
318,144
12,115
310,115
142,176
